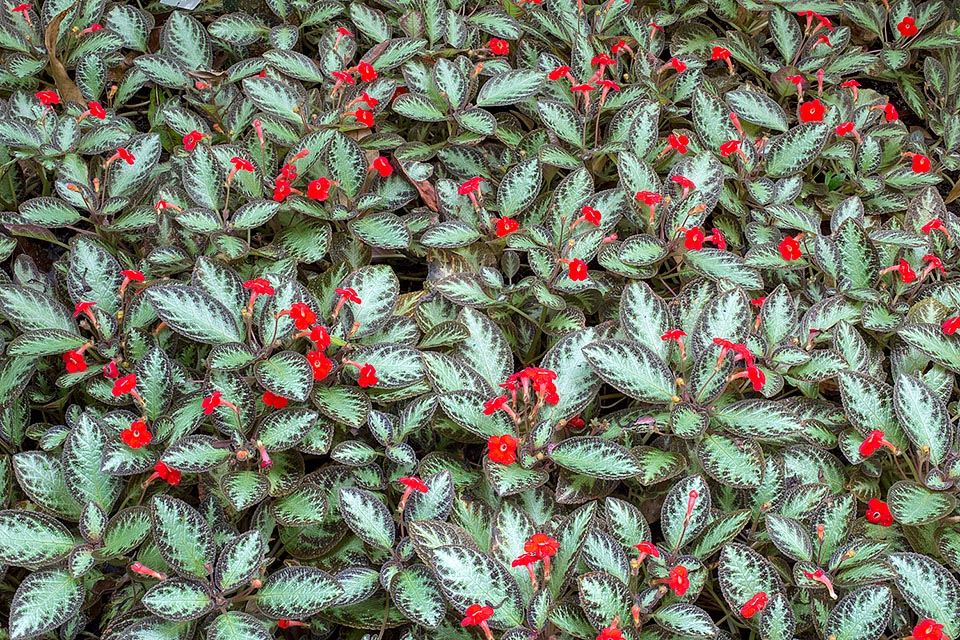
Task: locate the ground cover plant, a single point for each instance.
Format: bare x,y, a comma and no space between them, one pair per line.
536,319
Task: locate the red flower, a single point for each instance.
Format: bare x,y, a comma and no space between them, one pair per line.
499,47
542,545
603,59
96,110
647,549
907,274
797,80
344,32
124,385
302,315
879,513
617,48
212,402
133,275
320,337
476,615
281,189
673,334
591,215
928,630
191,139
921,163
812,111
678,64
320,364
74,362
578,269
525,559
679,581
559,72
754,605
716,237
239,164
684,182
649,197
908,27
608,85
368,376
319,189
137,435
172,476
125,155
873,442
48,98
343,77
110,370
757,377
21,8
936,223
679,143
729,148
273,400
890,112
586,87
719,53
367,72
693,239
506,226
493,405
349,294
502,449
416,484
610,633
844,128
471,185
363,116
790,249
850,84
260,286
382,166
935,263
951,325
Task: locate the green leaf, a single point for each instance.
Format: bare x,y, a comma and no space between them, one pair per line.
302,507
179,599
275,97
126,531
29,310
468,577
82,453
929,589
795,150
124,179
631,368
790,537
677,528
367,517
752,106
686,620
186,39
519,188
416,593
743,573
240,560
760,419
716,265
510,88
237,625
48,212
285,428
348,405
182,536
194,313
155,382
348,166
603,598
296,593
45,342
286,374
30,539
923,417
595,457
378,288
735,463
44,601
914,504
196,454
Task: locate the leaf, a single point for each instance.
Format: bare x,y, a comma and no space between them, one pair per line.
82,453
795,150
923,417
179,599
185,38
275,97
240,560
286,374
285,428
603,598
757,108
48,212
296,593
631,368
44,601
595,457
378,288
194,313
743,573
735,463
40,475
468,576
124,179
237,625
30,539
790,537
716,265
519,188
367,517
183,538
416,593
914,504
196,454
29,310
348,165
509,88
686,620
677,527
305,506
760,419
929,589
